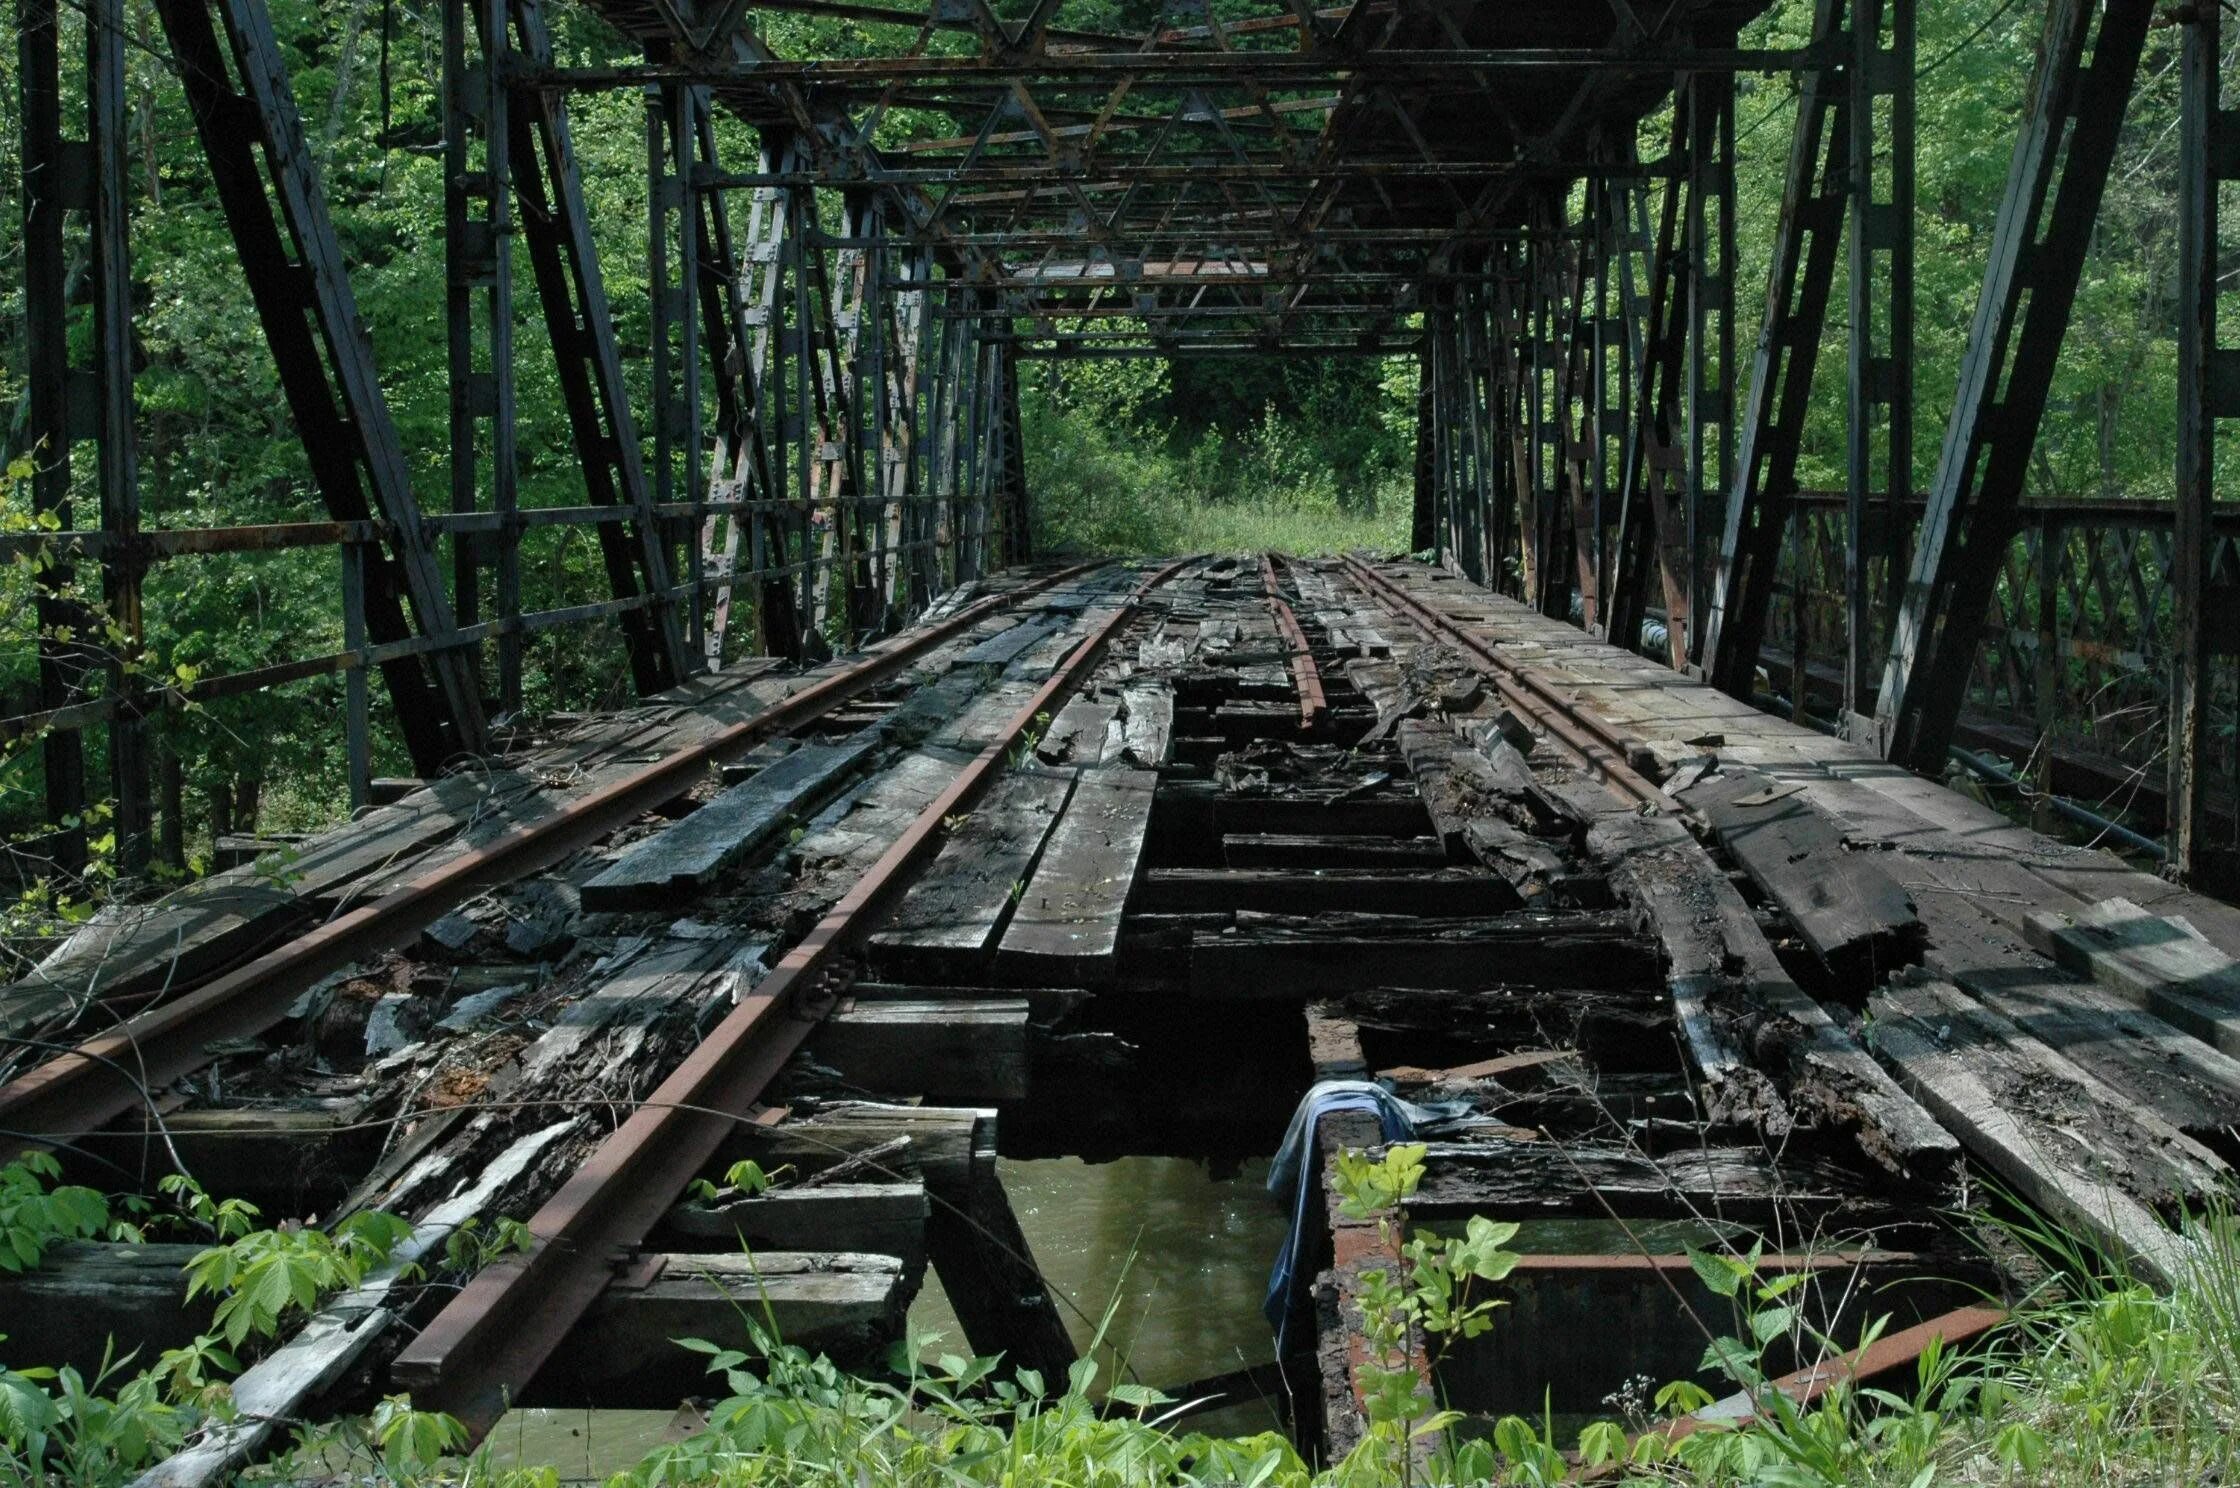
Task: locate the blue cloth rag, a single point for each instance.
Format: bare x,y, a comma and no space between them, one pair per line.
1291,1177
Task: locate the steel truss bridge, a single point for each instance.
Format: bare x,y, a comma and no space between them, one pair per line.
832,436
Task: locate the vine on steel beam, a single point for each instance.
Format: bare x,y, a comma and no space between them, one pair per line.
117,464
2208,390
252,136
673,138
2060,171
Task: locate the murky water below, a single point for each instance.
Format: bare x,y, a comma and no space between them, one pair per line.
1178,1254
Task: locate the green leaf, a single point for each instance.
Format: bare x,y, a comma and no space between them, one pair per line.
1718,1274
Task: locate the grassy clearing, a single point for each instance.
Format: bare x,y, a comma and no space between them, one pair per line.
1114,488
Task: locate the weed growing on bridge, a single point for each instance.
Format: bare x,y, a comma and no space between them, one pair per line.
2111,1382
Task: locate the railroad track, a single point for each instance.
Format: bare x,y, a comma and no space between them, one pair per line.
108,1075
1123,877
499,1331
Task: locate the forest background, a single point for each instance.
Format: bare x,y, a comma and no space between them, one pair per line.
1123,456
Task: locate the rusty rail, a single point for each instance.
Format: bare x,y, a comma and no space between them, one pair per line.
1593,744
107,1076
494,1336
1314,707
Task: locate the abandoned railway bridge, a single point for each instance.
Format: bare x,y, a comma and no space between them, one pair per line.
1613,814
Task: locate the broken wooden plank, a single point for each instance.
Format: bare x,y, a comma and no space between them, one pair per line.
1732,995
1009,644
1148,725
1316,850
2188,1083
942,1141
881,1217
2064,1142
1077,735
1280,957
845,1305
1440,891
1066,925
272,1392
1429,748
667,868
946,1050
89,1301
1854,917
1519,1176
949,920
2156,961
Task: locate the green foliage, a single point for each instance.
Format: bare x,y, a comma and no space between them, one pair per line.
267,1274
61,1429
35,1216
58,1430
474,1245
789,1418
1103,486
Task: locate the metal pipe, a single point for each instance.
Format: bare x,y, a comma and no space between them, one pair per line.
1989,769
2083,816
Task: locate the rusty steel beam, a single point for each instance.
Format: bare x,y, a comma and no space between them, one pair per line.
498,1332
1799,281
115,1072
1885,1356
1184,69
2077,101
1314,707
2208,390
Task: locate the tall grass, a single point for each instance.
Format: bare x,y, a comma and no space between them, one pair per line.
1110,485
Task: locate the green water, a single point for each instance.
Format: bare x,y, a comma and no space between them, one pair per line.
1177,1255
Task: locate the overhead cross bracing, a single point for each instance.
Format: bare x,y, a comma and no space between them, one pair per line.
1283,183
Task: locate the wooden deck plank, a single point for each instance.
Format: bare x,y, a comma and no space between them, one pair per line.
950,919
686,857
1066,928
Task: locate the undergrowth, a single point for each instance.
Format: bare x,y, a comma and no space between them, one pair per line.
2105,1381
1110,487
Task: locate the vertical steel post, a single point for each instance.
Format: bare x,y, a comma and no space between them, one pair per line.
2208,389
2074,115
1423,523
672,271
1881,360
48,382
478,287
356,735
1709,395
117,450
